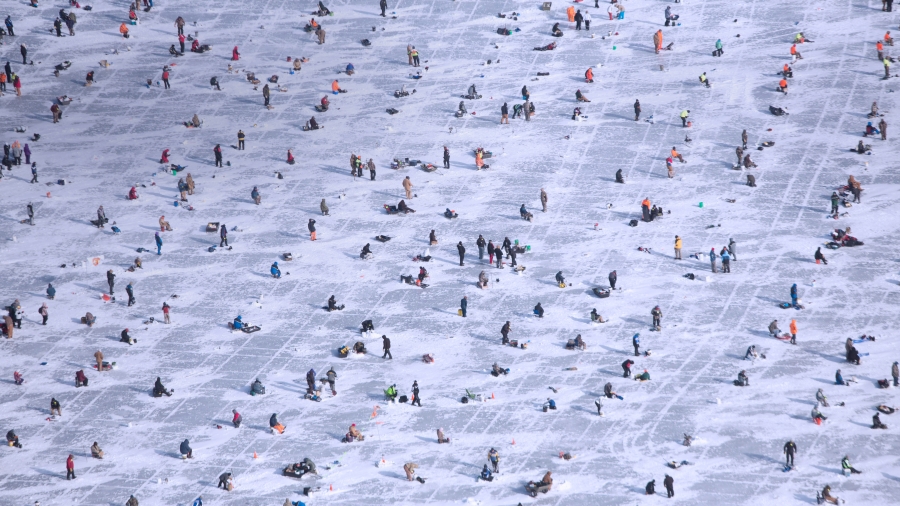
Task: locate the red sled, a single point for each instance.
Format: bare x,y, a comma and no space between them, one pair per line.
784,337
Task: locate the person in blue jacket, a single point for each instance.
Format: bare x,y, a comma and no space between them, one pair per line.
350,69
158,244
486,474
186,449
276,272
794,294
636,341
51,292
238,324
838,379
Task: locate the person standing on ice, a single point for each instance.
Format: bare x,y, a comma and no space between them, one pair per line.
636,342
70,463
383,5
793,330
637,114
130,291
159,244
794,294
235,55
612,280
656,313
587,20
165,310
179,23
265,93
217,151
712,259
494,459
312,229
669,483
110,280
677,248
386,346
480,243
462,253
165,78
684,116
790,449
463,305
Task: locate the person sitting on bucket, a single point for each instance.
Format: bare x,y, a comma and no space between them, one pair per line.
560,280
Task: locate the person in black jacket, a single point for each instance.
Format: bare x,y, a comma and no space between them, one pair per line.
312,229
111,280
498,254
462,252
386,346
612,280
218,152
383,5
446,157
538,310
480,243
626,368
650,489
186,450
820,257
504,114
670,486
504,331
223,235
415,391
790,448
637,109
130,291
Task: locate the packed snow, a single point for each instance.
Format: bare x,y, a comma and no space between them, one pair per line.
111,136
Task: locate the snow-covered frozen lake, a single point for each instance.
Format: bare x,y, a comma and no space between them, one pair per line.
111,137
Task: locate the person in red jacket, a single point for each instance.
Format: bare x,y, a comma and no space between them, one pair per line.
237,418
132,195
165,78
235,56
290,158
589,75
17,84
70,467
181,39
165,156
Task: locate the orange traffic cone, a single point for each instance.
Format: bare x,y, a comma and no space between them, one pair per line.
514,441
492,395
255,456
330,488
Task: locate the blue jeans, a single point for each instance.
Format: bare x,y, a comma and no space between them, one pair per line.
621,15
159,249
481,252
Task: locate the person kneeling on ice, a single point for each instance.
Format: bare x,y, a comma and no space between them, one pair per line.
650,489
186,451
126,337
817,415
440,437
643,377
538,310
743,380
391,393
486,474
350,69
159,390
80,379
257,388
132,194
276,272
496,370
550,404
275,424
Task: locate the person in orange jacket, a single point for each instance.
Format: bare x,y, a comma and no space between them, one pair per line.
335,87
787,71
570,13
793,331
589,75
888,39
782,86
795,55
123,29
658,41
645,209
677,155
880,48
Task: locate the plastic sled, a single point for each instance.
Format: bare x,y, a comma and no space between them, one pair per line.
600,292
251,329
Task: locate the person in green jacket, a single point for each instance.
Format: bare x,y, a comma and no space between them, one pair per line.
845,466
719,47
643,377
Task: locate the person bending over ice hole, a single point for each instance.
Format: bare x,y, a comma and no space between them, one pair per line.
609,393
186,451
555,31
496,370
80,379
876,422
365,253
626,370
323,104
275,271
538,310
332,305
159,390
751,353
748,163
650,489
12,439
743,380
472,93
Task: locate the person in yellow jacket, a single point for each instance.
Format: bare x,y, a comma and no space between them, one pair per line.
677,248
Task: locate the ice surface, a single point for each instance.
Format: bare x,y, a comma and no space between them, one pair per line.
111,137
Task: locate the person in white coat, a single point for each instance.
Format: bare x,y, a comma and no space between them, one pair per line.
587,20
